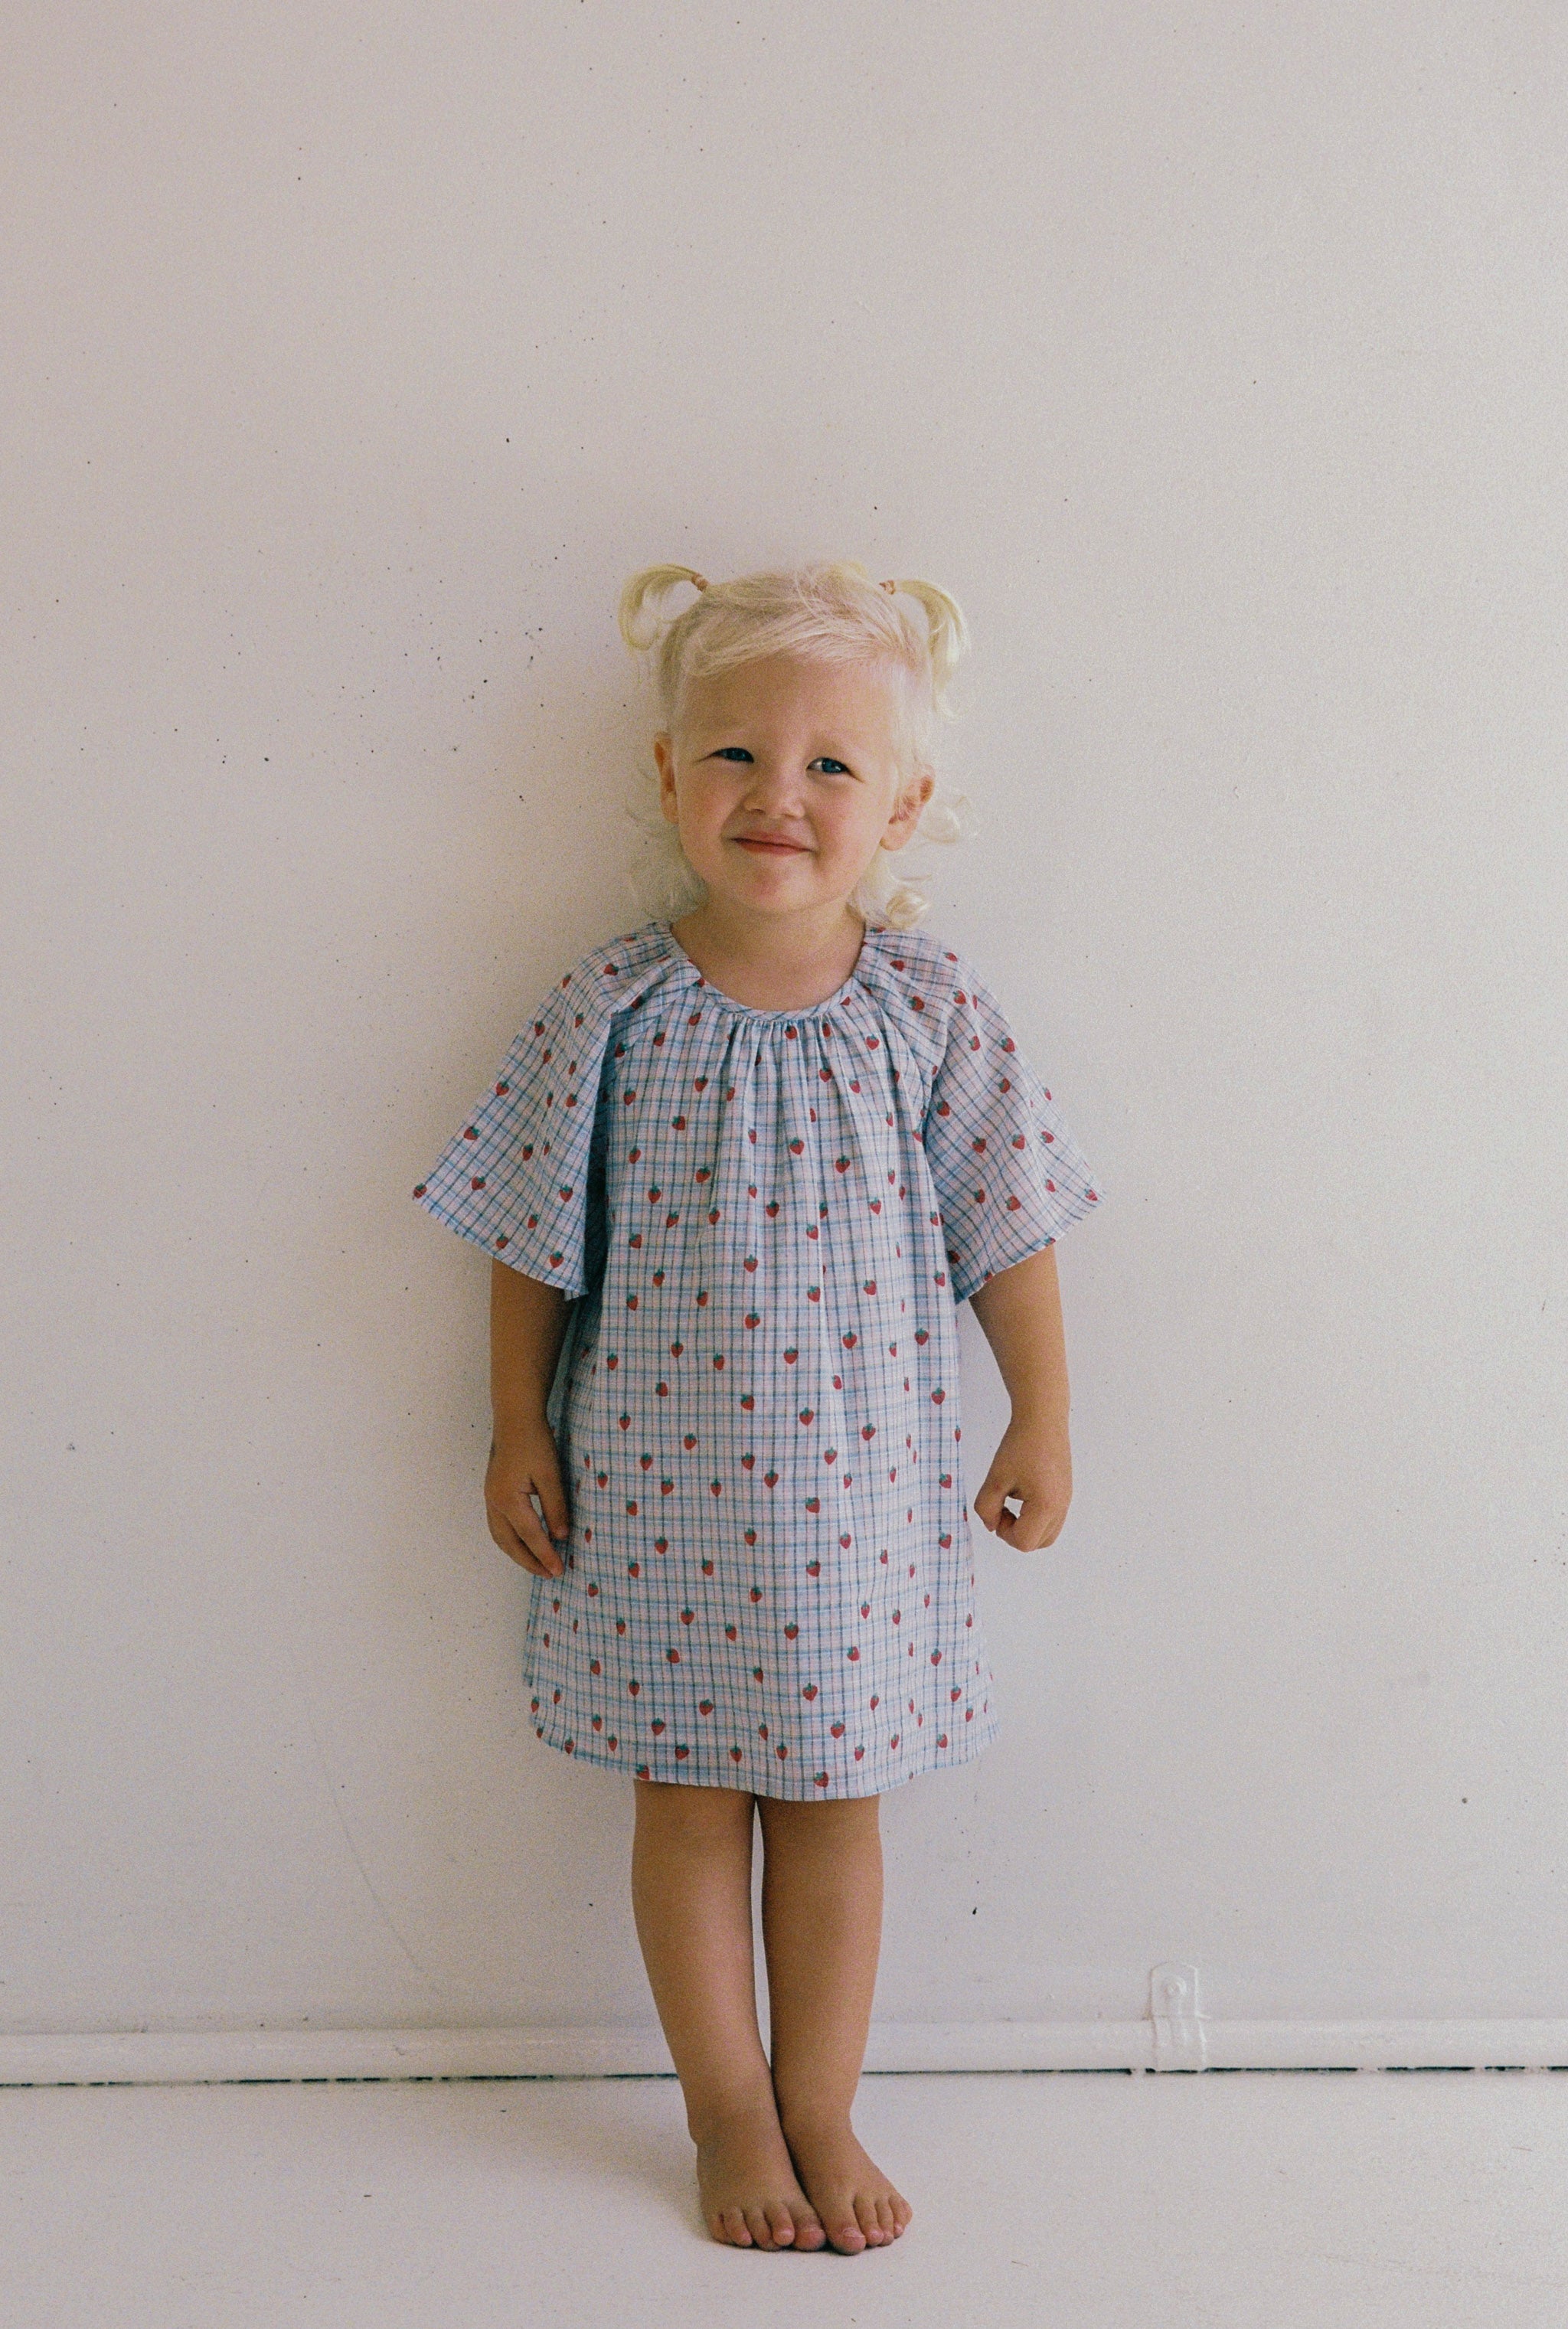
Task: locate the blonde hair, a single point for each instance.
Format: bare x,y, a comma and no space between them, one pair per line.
826,612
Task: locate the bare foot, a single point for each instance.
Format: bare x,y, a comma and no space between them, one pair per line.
751,2196
856,2204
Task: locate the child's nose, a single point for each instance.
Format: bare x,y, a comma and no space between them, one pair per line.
776,784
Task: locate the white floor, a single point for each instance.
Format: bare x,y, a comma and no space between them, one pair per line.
1227,2201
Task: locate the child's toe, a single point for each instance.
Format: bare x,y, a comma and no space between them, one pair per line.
731,2227
809,2231
780,2224
865,2215
757,2225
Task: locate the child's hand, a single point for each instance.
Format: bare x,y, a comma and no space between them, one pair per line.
1034,1465
523,1460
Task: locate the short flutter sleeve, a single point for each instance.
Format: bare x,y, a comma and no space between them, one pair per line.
1008,1175
516,1177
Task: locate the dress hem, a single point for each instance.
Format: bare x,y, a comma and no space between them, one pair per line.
974,1739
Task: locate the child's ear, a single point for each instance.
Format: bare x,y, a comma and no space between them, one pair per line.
665,761
911,798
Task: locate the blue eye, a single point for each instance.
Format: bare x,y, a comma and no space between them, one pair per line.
823,760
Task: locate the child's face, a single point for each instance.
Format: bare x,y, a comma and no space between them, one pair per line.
784,781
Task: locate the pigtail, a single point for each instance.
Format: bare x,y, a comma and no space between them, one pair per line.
947,633
639,625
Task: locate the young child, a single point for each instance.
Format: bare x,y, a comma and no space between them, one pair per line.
735,1175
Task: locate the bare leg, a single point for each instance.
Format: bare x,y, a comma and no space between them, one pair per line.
691,1885
822,1930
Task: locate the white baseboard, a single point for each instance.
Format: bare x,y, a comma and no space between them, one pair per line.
190,2057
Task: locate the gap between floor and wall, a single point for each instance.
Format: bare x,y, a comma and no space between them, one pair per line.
156,2057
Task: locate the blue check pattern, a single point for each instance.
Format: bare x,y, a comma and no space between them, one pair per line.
765,1222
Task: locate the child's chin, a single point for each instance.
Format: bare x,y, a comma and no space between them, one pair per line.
754,876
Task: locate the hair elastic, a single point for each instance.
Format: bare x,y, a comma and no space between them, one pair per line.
701,581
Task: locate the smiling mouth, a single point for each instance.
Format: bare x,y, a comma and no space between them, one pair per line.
776,848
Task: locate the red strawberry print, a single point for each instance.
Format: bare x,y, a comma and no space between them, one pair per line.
639,1027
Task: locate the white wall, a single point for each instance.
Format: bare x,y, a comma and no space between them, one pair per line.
1214,358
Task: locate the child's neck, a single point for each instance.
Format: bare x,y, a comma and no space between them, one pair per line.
772,962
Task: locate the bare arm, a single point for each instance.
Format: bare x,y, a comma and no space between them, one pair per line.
527,1325
1020,1315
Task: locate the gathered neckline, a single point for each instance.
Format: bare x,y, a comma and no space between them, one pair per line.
752,1010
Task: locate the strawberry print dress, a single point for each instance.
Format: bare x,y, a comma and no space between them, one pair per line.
765,1222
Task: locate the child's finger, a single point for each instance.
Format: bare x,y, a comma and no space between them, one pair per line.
990,1506
523,1522
537,1537
1039,1523
1021,1528
987,1504
546,1486
513,1546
